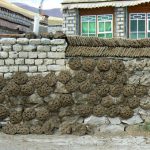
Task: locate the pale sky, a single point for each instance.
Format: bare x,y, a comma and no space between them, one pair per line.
46,5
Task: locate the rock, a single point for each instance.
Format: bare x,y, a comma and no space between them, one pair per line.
135,79
45,41
145,102
92,120
112,128
35,99
130,65
22,41
115,121
145,115
60,88
134,120
8,41
145,79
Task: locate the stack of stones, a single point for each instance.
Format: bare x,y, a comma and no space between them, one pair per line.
32,56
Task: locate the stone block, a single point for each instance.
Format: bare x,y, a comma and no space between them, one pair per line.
17,47
23,41
13,54
32,68
49,61
4,69
29,48
114,121
60,62
56,55
61,48
8,41
29,61
7,48
34,41
134,120
23,68
42,68
42,55
9,61
7,75
3,54
45,41
92,120
33,54
23,54
19,61
145,79
43,48
13,68
58,41
54,48
55,67
1,62
38,61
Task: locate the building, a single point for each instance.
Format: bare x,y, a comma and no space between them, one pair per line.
14,19
55,24
107,18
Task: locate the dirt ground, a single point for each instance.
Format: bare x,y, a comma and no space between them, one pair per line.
69,142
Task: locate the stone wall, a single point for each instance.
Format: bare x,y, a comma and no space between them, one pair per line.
32,56
75,95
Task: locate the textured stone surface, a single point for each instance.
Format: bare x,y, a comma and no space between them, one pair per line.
134,120
96,120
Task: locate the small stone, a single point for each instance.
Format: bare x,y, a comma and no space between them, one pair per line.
23,41
17,48
60,88
3,54
8,41
145,102
112,128
58,41
7,48
35,99
45,41
44,48
133,128
134,120
29,48
135,79
35,41
115,121
92,120
145,79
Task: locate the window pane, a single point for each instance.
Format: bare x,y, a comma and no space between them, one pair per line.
108,26
133,35
101,35
141,35
92,27
108,35
149,25
133,25
101,26
141,25
149,34
84,27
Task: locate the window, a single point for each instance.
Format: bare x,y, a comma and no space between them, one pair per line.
105,26
101,26
148,25
88,25
137,26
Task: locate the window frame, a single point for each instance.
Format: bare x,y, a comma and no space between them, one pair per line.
146,27
97,25
88,25
105,32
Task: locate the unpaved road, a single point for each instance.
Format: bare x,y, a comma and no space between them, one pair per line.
46,142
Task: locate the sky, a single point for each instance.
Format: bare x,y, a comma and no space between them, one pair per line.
48,4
